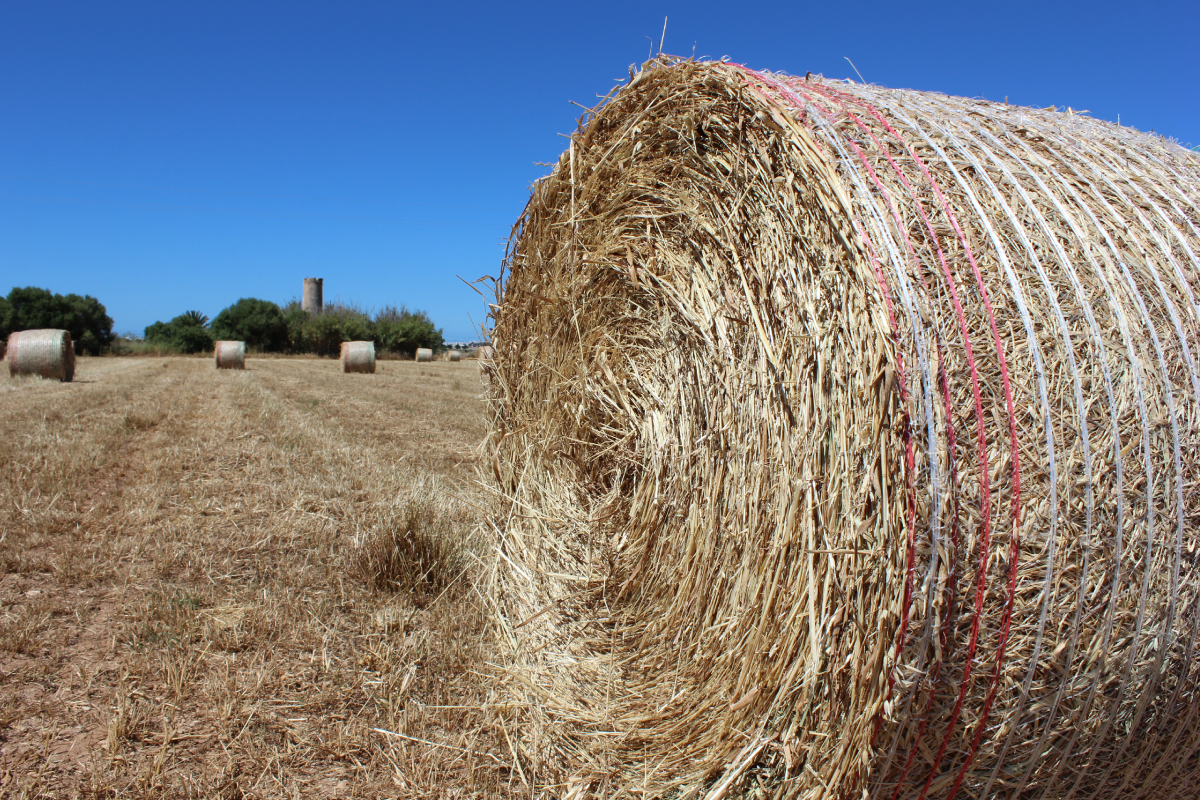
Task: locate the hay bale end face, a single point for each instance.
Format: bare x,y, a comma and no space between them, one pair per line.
231,355
45,352
358,356
863,465
424,354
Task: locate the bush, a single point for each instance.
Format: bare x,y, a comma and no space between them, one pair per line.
295,317
84,317
324,333
399,330
258,323
187,333
194,339
266,327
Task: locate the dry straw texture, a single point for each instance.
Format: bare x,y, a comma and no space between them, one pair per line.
231,355
847,442
485,356
45,352
358,356
454,356
424,354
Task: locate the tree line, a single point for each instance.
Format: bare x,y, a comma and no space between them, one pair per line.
266,327
84,317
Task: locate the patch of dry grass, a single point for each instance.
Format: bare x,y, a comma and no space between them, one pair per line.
251,584
419,551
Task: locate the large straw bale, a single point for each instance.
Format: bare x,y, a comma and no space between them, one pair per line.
454,356
424,354
358,356
46,352
230,355
848,441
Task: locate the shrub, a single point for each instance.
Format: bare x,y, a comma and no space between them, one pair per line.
186,333
258,323
295,317
324,333
399,330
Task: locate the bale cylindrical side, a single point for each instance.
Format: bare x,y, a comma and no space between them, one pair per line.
312,301
358,356
850,441
454,356
230,355
424,354
46,352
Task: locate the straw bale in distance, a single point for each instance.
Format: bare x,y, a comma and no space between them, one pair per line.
454,356
424,354
864,465
46,352
230,355
358,356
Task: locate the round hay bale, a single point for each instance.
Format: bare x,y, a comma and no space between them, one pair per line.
424,354
231,355
866,464
46,352
358,357
454,356
485,353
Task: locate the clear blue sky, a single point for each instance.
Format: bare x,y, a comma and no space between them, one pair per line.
170,156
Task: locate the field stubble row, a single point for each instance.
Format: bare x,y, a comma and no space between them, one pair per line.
223,584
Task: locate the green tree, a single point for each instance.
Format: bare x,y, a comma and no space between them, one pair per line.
84,317
91,326
258,323
400,330
195,318
187,333
324,333
295,318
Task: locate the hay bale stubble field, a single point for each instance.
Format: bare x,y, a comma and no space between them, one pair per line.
190,573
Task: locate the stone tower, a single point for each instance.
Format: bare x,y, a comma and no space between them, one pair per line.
312,302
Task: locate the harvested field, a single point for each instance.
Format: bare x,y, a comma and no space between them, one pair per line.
195,599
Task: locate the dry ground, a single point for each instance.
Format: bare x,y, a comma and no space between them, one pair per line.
220,584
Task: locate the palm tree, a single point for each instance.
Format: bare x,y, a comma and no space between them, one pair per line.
196,318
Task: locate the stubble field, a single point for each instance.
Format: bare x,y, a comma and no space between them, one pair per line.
244,584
